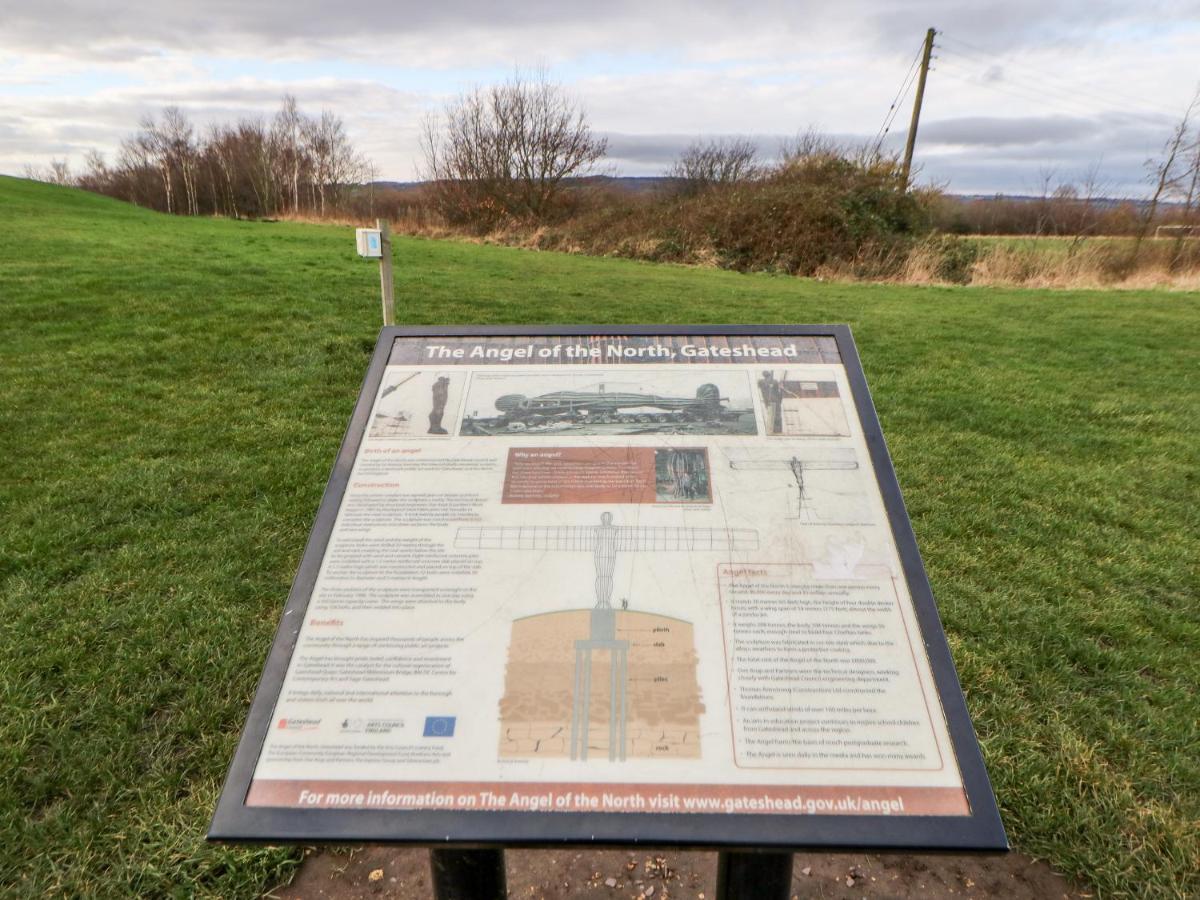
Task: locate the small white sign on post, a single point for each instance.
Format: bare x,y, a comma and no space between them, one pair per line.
376,243
370,242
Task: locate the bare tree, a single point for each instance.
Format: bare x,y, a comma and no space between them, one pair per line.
169,146
179,144
1085,218
1180,178
331,156
1046,207
705,163
1191,201
287,130
505,151
222,152
151,143
139,167
1167,174
370,174
96,172
811,145
259,151
57,171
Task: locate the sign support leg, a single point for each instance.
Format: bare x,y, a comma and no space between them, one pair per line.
754,876
468,874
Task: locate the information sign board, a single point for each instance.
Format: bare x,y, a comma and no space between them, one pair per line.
577,585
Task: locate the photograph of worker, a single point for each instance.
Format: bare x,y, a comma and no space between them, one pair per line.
416,404
801,406
682,475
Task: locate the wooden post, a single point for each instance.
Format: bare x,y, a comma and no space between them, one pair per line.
385,272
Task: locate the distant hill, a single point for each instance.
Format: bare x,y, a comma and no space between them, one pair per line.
638,184
633,184
1102,202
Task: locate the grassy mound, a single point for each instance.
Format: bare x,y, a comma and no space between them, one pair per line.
175,391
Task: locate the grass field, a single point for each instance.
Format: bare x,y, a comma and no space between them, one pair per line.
175,391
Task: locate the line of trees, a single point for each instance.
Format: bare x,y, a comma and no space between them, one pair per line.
291,164
516,155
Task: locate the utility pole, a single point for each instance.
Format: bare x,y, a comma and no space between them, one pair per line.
385,272
916,113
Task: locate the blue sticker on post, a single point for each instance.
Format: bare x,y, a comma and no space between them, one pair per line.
439,726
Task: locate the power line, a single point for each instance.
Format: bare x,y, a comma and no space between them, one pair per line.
1017,80
1016,89
1106,96
905,86
1029,95
895,110
1044,81
1044,84
1044,91
1040,86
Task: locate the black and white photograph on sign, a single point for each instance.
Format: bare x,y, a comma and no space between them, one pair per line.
802,405
608,402
813,484
415,404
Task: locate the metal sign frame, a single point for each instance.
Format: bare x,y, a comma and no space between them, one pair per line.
981,830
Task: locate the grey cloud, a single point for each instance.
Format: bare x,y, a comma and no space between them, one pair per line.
206,101
1001,24
850,51
43,127
970,154
968,175
1117,153
661,149
992,131
483,31
101,30
649,153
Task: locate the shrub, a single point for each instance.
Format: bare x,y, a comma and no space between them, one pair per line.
811,211
954,258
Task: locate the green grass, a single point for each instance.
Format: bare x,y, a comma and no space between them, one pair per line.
175,391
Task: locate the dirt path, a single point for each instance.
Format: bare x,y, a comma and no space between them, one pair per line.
388,872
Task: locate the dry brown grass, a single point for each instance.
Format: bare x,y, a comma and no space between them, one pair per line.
1101,263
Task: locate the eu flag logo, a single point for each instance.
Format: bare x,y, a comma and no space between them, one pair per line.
439,726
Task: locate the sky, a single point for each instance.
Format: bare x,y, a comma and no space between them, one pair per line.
1020,92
